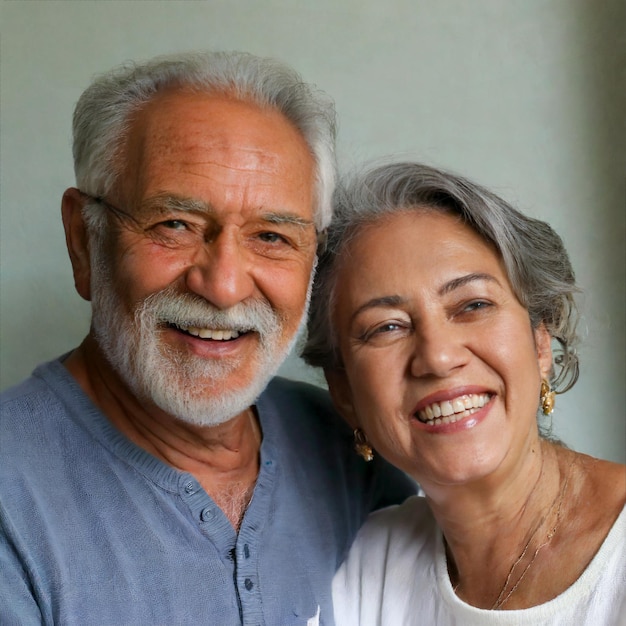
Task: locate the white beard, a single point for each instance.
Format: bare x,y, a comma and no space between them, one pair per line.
176,381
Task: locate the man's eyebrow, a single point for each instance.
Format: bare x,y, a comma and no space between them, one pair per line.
168,202
464,280
382,301
274,217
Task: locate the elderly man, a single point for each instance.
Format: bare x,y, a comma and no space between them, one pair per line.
149,476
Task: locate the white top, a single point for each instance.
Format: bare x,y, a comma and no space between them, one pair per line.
396,575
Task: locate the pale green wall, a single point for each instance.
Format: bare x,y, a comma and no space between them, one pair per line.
523,95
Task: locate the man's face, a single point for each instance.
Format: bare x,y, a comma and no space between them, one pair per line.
206,286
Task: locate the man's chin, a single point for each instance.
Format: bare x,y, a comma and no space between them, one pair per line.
216,398
208,413
212,402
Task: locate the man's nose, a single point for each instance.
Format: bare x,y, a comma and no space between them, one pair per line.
221,271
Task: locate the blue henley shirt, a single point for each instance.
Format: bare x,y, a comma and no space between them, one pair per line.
96,531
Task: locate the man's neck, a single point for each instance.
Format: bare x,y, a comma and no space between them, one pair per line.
223,458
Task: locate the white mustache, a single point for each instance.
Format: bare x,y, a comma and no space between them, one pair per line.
188,310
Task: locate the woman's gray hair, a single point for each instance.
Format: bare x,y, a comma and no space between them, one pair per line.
536,262
105,111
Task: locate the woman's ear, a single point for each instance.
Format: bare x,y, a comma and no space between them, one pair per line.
77,240
341,395
543,345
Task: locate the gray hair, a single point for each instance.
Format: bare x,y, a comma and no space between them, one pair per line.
535,260
104,112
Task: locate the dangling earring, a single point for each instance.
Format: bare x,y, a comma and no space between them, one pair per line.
362,446
547,397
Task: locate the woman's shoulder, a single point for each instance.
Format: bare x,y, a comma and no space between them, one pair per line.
392,558
593,514
413,508
394,548
606,473
602,491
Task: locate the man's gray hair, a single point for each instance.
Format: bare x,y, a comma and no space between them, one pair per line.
535,260
104,112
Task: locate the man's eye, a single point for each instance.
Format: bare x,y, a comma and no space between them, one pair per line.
174,224
175,233
271,237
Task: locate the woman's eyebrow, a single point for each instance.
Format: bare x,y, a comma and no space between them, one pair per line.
455,283
383,301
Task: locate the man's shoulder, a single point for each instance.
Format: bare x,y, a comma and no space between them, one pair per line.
301,405
33,412
303,416
285,390
28,396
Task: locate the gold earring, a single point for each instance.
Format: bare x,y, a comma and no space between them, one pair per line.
362,446
547,397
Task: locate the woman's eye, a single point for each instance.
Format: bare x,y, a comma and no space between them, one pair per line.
476,305
387,329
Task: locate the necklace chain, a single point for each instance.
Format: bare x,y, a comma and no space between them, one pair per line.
502,598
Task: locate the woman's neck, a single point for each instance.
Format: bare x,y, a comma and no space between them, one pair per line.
499,529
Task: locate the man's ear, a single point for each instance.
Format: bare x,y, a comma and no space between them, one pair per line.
543,345
341,395
77,240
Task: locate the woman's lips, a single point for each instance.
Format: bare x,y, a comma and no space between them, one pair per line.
453,410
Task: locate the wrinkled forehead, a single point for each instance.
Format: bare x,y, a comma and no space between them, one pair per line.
180,132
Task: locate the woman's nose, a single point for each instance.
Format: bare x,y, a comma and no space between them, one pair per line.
439,349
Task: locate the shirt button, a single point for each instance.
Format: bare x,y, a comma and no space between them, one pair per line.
189,487
246,551
206,514
248,584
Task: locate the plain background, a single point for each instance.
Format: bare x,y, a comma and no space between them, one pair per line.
524,96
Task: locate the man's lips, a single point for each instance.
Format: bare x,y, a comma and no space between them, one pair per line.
215,334
211,343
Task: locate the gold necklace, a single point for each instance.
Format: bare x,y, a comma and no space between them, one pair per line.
502,598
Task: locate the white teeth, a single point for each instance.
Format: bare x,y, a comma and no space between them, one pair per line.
210,333
450,411
458,405
446,408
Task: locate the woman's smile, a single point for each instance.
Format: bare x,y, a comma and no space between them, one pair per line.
450,411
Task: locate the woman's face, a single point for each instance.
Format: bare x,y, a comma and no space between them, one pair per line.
428,325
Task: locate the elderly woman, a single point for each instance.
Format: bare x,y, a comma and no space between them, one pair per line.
445,321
